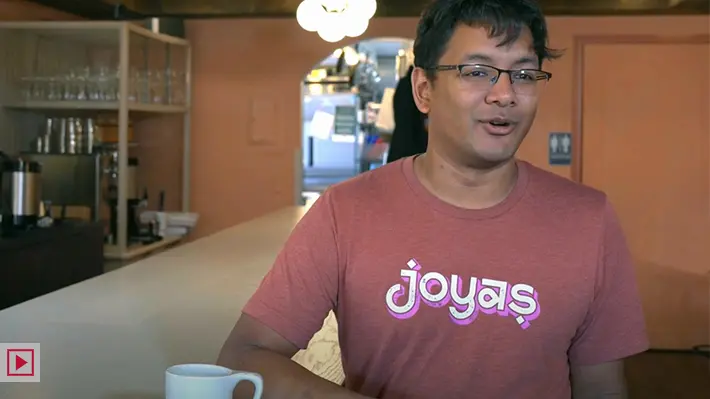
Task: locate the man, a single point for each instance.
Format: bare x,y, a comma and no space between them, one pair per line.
463,272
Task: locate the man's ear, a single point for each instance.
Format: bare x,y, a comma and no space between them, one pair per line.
421,90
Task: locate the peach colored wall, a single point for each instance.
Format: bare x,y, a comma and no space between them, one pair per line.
159,152
246,119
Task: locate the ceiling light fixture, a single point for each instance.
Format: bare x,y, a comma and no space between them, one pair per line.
336,19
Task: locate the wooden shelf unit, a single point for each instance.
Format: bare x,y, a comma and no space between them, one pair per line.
142,74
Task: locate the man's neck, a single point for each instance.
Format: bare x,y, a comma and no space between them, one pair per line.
462,186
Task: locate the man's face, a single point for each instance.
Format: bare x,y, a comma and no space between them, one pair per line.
478,125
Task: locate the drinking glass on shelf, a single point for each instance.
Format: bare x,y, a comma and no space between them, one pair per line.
113,78
103,85
177,88
133,79
93,89
39,88
74,84
157,87
54,89
132,84
27,87
82,83
68,85
142,81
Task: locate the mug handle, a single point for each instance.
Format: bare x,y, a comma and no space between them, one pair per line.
254,378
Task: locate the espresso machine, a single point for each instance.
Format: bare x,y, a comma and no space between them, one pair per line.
133,199
20,195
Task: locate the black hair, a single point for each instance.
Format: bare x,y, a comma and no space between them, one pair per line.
503,18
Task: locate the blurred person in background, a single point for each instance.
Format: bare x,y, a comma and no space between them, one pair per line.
410,132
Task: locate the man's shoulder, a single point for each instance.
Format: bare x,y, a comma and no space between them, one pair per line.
367,193
371,185
557,190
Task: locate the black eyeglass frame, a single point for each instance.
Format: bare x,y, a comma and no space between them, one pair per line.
459,67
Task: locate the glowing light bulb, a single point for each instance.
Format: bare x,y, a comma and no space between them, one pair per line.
309,14
331,35
331,28
355,26
351,56
363,8
336,19
334,5
370,8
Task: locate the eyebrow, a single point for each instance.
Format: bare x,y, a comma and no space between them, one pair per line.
487,59
478,57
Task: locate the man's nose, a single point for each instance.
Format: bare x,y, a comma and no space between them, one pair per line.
501,92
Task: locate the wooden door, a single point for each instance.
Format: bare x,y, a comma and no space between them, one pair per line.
645,130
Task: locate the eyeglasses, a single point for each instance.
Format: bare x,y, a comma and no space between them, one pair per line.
483,77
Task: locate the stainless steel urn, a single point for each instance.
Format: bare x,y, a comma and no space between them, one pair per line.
20,195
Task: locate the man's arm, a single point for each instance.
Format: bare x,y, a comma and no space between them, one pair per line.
255,347
288,308
600,381
614,327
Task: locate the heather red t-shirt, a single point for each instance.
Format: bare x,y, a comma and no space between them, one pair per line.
435,301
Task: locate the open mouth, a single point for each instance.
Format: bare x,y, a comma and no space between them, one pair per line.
499,126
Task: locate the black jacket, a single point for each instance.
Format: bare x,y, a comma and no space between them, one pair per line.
409,136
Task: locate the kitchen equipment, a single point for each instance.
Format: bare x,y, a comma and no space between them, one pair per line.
109,164
132,197
170,224
67,136
79,136
192,381
19,192
71,180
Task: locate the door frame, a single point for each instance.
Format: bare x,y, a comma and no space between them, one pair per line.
580,42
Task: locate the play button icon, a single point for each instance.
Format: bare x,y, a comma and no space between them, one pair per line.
20,362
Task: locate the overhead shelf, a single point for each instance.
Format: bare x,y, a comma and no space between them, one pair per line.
96,106
89,32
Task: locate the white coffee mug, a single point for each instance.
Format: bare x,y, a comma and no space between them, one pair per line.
202,381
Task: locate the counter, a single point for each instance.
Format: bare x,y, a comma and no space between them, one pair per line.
113,336
38,261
